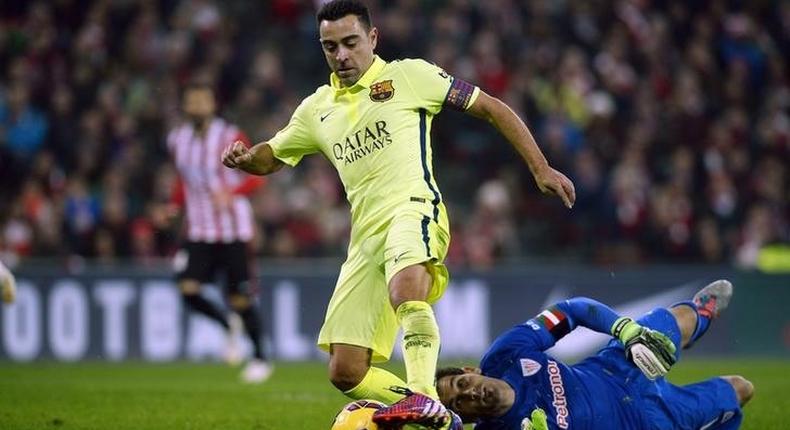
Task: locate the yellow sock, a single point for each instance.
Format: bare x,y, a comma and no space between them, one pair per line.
375,385
420,345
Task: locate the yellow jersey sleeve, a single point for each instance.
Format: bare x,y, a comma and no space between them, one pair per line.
436,89
295,140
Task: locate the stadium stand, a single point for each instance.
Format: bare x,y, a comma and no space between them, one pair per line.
671,117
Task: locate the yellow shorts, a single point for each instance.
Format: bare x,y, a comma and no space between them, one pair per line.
359,312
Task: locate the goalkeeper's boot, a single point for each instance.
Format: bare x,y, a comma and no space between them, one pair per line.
709,303
415,408
713,299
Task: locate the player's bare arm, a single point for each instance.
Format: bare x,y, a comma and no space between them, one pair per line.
258,160
7,285
498,114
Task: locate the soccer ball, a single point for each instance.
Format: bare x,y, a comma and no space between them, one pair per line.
357,415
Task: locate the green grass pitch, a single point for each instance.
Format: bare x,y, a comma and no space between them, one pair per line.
208,396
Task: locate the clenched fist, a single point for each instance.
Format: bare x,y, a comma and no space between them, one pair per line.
237,156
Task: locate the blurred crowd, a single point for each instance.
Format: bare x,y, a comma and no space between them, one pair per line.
671,117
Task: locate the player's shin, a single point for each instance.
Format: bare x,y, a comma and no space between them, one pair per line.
702,322
708,303
420,345
253,327
376,385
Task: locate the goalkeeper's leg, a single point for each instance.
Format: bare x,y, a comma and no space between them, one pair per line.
694,317
744,389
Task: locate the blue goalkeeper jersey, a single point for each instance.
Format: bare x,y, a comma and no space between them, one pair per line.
605,391
583,396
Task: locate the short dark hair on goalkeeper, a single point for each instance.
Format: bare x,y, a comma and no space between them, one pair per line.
448,371
337,9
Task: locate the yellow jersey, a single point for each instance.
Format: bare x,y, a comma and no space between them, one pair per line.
376,133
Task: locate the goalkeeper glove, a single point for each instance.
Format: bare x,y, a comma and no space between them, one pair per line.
651,351
536,421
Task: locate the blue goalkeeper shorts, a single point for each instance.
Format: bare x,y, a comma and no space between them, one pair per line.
707,405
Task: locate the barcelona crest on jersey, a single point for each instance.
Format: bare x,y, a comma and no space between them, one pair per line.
382,91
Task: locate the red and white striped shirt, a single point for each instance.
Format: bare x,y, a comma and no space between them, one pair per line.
202,176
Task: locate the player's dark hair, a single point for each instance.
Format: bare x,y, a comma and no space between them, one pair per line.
197,84
337,9
448,371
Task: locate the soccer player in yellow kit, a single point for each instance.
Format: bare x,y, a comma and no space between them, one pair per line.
373,122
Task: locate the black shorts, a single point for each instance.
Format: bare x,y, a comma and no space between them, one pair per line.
202,262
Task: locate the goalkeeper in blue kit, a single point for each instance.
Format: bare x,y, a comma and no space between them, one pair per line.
518,386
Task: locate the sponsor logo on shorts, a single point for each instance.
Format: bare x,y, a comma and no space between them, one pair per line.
560,402
529,367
